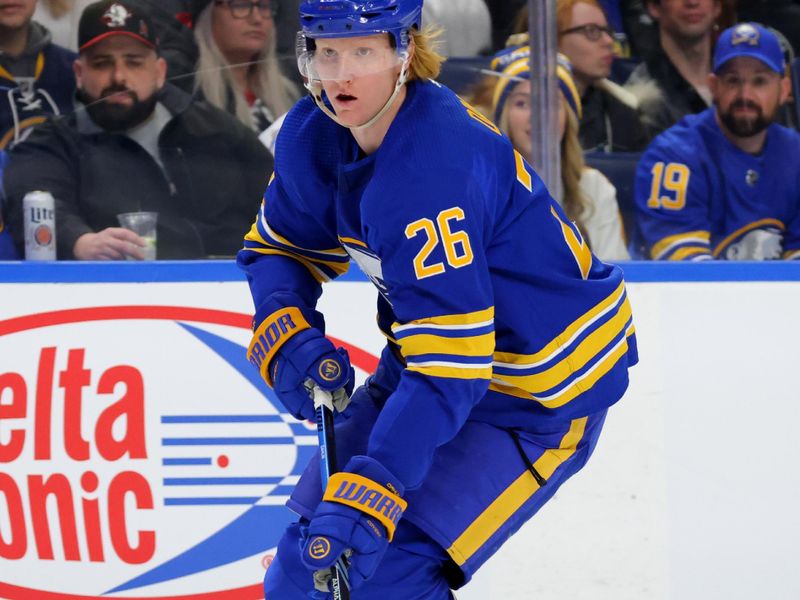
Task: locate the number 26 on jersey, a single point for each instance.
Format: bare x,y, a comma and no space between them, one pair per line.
668,186
457,248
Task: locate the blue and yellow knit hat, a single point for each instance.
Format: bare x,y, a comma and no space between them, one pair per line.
513,65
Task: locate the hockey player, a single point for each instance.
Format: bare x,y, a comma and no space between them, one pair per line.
726,183
507,340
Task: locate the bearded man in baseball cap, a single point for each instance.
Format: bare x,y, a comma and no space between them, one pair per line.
725,183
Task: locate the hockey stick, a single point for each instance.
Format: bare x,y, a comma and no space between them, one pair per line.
323,405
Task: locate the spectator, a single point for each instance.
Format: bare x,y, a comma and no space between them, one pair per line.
611,121
138,144
171,18
726,183
36,76
642,31
238,70
466,23
672,81
589,199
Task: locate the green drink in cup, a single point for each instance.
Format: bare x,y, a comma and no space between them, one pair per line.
142,223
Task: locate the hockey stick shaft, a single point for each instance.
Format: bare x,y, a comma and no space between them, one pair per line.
323,404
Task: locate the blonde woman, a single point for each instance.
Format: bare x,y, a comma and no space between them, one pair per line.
589,199
238,68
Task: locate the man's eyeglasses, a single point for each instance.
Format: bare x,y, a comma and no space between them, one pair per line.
241,9
591,31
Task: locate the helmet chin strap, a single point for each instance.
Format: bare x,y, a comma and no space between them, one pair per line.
315,87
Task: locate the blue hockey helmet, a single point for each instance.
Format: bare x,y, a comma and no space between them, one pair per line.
348,18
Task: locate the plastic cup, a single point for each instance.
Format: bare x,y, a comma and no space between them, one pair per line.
143,224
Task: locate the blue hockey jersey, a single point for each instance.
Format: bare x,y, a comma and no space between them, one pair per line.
488,296
700,197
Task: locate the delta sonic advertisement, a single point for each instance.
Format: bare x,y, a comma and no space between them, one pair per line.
141,455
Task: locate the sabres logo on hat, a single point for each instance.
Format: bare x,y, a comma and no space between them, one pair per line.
319,548
745,34
329,369
107,18
116,16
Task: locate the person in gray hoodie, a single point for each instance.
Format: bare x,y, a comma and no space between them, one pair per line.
36,77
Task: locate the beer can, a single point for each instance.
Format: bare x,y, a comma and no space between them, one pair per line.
39,209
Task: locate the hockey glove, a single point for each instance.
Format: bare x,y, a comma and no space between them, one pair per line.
359,512
307,360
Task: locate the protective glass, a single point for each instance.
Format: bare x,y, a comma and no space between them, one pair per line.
357,60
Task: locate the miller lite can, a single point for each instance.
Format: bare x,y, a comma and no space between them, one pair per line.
39,209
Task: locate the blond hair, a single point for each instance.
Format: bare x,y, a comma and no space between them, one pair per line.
575,203
214,78
577,206
426,63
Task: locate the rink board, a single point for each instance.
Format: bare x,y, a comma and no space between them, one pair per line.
141,458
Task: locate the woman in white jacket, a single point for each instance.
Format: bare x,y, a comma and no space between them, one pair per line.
588,197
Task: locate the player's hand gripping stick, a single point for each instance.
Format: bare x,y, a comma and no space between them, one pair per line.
323,407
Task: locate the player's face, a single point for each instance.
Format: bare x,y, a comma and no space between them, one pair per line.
241,38
747,95
358,75
118,78
519,118
591,60
685,19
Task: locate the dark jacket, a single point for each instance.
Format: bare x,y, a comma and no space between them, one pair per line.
216,172
611,122
665,97
34,85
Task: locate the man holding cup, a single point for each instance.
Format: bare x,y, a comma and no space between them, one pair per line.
138,144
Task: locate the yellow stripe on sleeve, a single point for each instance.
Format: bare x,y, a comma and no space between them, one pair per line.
514,496
791,254
473,318
316,273
578,247
451,370
522,173
352,241
268,248
475,345
665,243
689,251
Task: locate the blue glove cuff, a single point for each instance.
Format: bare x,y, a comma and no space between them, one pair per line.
374,470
